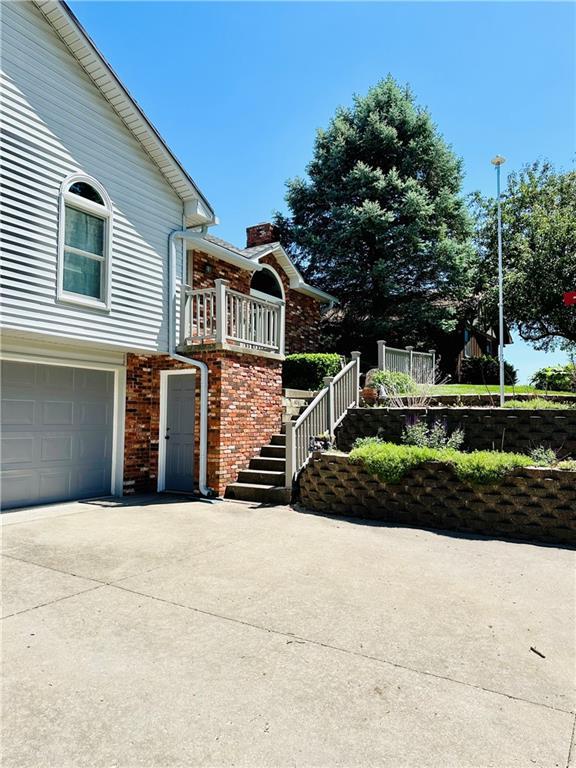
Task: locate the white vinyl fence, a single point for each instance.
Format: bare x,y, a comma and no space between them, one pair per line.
419,365
322,416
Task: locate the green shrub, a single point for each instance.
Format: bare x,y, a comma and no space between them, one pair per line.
394,383
569,464
307,370
485,467
360,442
390,462
486,370
557,378
539,404
434,436
543,457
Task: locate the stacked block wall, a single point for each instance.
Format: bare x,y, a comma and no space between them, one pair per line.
514,430
531,504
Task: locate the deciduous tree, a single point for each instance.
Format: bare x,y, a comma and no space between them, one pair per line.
539,253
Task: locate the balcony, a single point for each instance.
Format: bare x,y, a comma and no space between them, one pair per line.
230,319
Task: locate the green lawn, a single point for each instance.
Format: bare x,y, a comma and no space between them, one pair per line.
484,389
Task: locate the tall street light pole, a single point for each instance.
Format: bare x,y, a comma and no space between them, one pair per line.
499,161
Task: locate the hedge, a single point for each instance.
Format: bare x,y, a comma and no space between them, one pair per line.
307,370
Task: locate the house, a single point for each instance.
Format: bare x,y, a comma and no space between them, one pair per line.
475,336
139,352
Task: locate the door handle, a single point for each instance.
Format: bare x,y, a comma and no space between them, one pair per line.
166,437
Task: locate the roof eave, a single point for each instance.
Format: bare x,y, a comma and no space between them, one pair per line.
315,293
199,243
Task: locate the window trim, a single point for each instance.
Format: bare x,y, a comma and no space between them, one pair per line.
467,350
101,211
266,296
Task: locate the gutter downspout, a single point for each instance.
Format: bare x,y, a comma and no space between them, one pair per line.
183,235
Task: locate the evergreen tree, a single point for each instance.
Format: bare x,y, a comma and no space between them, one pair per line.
380,223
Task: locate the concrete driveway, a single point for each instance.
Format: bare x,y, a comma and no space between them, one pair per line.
190,634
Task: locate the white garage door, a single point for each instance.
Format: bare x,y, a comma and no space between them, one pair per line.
57,431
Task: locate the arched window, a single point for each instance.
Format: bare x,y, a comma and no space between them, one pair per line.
84,245
266,284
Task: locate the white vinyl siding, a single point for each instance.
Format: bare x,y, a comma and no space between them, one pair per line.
55,123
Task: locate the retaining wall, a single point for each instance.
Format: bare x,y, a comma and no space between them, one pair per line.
492,399
498,429
530,504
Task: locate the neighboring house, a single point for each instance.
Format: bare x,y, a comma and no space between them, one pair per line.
139,353
475,337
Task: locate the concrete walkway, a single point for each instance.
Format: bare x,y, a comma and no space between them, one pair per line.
188,634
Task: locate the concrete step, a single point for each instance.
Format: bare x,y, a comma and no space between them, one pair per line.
299,394
278,451
268,462
278,439
261,477
265,494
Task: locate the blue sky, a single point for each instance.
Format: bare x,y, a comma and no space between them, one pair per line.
239,89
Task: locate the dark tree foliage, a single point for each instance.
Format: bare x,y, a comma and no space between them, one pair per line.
380,223
539,253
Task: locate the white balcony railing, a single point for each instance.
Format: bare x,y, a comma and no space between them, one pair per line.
228,317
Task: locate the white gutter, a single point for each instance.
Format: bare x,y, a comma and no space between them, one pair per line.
220,252
202,367
315,293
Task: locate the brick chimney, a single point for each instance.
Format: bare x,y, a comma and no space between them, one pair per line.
261,234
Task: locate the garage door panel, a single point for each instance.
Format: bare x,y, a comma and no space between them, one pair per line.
54,484
18,375
95,382
17,487
56,448
17,449
57,439
94,447
88,482
18,413
55,413
94,414
56,378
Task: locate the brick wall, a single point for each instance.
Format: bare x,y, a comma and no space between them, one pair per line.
484,428
530,504
244,410
302,312
206,269
142,422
